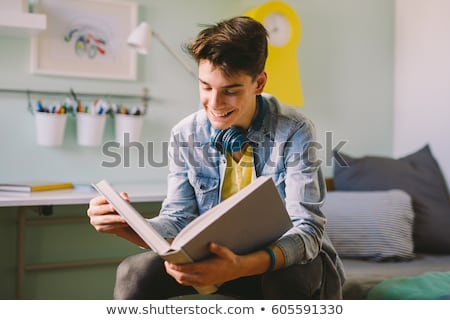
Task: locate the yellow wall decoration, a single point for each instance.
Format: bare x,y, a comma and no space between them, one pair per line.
284,28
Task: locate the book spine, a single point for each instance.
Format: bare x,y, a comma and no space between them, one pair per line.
51,187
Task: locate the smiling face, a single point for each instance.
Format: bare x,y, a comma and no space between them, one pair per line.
228,101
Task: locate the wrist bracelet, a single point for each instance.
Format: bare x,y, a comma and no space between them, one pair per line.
273,259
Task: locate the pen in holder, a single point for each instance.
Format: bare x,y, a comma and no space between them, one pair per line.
91,123
50,124
128,125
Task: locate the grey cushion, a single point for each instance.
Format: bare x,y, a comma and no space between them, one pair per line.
420,176
375,225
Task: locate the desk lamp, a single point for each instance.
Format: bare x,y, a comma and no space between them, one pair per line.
140,39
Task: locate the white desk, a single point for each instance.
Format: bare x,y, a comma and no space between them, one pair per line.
137,193
45,200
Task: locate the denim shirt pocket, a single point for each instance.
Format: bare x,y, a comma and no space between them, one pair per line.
206,191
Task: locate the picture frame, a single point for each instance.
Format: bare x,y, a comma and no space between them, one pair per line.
85,38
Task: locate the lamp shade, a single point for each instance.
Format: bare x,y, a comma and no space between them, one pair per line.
140,37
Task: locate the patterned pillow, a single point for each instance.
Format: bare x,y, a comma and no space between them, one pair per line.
375,225
420,176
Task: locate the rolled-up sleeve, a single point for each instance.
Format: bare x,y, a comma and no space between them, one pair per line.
304,196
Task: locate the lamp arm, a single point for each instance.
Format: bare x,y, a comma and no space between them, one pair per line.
174,54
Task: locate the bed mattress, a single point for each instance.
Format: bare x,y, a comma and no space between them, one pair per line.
362,275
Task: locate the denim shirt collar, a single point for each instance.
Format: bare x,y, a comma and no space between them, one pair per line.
258,127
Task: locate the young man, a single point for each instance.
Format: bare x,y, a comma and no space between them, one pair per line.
240,134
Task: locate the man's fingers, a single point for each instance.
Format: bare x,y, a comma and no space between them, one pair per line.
125,196
219,250
96,201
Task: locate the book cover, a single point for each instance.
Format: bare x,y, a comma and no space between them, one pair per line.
35,186
250,219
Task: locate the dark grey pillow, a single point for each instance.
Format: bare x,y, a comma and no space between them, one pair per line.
420,176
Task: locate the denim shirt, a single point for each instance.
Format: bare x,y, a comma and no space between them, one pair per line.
284,147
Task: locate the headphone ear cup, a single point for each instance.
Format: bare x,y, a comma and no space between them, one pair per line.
216,139
229,140
234,139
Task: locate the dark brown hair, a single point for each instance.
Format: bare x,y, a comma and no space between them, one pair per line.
235,45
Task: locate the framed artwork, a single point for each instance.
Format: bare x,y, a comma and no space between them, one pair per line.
85,38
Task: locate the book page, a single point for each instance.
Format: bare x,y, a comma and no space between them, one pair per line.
136,221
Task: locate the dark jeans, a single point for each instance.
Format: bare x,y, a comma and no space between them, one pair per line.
143,276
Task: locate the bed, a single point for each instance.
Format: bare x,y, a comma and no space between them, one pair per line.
389,220
389,280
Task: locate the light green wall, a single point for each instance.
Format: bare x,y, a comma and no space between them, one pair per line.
346,60
346,66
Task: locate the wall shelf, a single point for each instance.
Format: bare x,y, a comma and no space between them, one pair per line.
21,24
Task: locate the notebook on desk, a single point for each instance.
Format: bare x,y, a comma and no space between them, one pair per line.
35,186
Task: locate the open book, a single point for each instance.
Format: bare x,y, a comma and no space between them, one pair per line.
247,221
